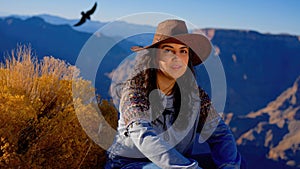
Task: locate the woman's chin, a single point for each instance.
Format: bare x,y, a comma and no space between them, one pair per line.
175,75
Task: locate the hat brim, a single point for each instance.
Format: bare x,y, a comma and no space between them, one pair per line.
199,44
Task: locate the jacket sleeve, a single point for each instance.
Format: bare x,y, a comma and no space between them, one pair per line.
218,135
156,149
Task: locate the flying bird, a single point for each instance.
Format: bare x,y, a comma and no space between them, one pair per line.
86,15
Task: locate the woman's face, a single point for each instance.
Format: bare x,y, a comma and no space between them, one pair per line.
172,59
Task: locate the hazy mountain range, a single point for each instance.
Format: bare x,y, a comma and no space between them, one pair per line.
262,73
92,26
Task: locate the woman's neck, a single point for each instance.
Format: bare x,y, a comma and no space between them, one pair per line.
165,83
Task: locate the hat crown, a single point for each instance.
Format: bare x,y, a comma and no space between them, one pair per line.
169,28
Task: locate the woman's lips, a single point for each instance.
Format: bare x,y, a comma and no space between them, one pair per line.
176,67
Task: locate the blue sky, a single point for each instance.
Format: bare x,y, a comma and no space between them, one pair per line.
276,16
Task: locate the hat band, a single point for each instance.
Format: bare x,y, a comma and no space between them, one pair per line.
159,38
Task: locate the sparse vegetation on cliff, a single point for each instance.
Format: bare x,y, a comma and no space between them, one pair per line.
38,124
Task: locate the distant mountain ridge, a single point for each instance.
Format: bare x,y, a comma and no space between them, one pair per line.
92,26
260,65
44,37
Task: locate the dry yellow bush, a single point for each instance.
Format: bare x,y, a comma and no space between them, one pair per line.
38,124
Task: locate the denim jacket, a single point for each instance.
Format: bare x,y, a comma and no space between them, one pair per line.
140,139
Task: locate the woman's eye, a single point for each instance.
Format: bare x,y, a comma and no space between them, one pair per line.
167,51
184,52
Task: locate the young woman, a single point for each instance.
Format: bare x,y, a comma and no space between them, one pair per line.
162,108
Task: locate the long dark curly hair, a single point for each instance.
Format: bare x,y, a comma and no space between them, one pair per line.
144,83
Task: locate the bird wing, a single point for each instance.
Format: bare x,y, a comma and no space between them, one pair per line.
91,11
82,20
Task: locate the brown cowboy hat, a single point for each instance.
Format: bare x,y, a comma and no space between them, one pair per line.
176,31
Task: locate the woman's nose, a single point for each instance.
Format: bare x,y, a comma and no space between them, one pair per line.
175,55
